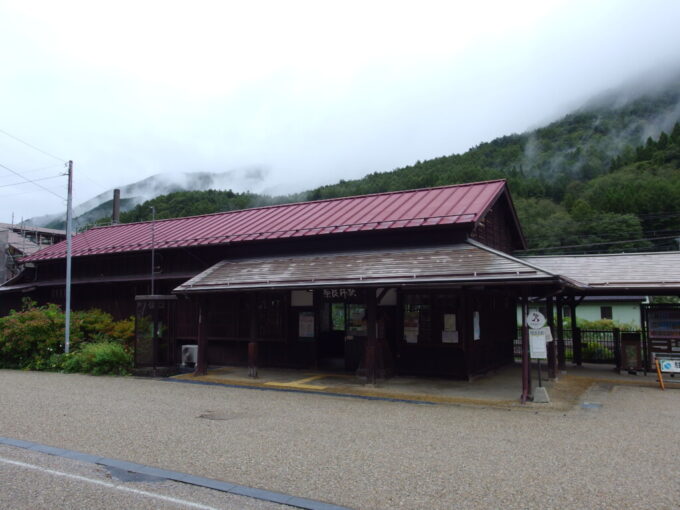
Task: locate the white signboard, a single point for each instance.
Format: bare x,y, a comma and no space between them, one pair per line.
670,365
537,343
535,319
306,324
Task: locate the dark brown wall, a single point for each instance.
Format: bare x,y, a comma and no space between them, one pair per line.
497,228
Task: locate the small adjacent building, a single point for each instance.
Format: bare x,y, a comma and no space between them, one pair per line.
622,310
18,241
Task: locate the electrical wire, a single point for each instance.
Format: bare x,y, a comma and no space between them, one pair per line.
34,180
32,146
607,243
29,180
33,170
9,195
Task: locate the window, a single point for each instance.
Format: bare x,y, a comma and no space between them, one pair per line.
606,312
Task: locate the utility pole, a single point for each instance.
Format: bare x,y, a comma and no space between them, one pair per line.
153,248
69,200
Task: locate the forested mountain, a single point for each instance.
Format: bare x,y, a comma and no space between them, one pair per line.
605,178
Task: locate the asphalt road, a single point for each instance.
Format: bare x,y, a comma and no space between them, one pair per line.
620,453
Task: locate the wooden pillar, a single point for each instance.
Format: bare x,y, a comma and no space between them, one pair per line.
552,354
561,362
252,344
526,363
575,333
371,340
398,330
318,304
202,355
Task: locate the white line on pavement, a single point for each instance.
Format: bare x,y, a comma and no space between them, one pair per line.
107,484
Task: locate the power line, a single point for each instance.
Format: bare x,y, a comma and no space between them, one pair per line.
607,243
32,146
29,180
34,180
8,195
33,170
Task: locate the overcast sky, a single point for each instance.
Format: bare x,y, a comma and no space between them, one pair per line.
310,92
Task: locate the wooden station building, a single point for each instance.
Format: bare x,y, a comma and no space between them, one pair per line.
409,282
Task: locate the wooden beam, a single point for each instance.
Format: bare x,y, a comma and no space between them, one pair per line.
371,339
252,344
552,354
575,332
526,362
561,354
202,355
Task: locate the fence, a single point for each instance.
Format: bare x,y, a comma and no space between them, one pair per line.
597,346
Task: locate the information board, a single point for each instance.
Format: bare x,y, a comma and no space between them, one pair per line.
537,343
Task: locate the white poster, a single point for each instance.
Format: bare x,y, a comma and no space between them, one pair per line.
537,344
411,327
306,324
449,322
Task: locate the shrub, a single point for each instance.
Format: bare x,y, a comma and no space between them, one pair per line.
33,338
99,358
593,351
31,335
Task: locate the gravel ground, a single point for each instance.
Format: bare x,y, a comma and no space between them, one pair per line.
36,481
365,454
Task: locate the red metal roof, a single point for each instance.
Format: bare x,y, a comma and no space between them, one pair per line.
446,205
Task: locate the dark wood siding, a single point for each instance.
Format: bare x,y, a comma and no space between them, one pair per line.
497,228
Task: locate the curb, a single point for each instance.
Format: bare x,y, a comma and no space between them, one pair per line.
199,481
296,390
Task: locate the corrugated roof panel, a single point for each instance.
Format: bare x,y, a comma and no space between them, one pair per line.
436,206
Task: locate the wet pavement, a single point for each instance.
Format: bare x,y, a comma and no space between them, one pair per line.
498,388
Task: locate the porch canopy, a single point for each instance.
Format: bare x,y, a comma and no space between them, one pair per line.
615,274
463,264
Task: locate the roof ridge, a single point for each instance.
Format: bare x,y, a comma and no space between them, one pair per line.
290,204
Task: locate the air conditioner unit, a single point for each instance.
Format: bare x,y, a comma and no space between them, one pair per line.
189,355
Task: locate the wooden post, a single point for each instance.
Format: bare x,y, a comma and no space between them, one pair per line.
561,363
526,362
617,348
202,356
252,344
371,323
552,356
575,333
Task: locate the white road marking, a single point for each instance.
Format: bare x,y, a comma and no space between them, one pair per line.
107,484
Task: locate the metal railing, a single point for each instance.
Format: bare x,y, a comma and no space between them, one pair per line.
597,345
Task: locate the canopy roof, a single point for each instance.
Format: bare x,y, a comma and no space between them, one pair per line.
469,263
463,204
600,274
465,263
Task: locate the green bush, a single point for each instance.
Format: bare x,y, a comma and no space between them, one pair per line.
99,358
33,338
593,351
30,336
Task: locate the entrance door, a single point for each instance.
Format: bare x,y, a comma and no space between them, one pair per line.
343,334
